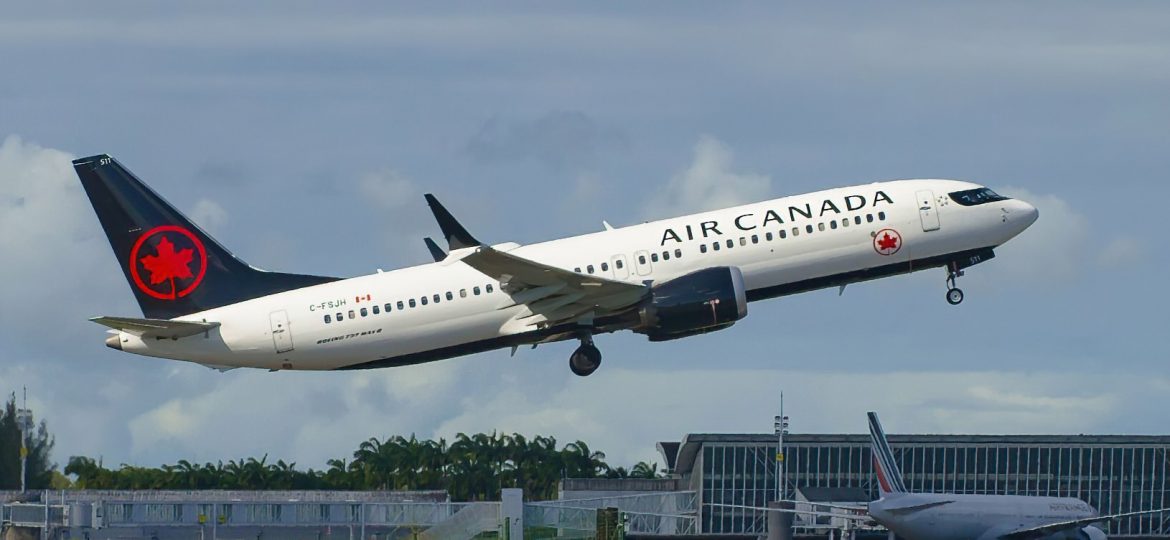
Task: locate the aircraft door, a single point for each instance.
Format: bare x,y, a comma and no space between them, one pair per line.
642,263
927,211
620,270
281,331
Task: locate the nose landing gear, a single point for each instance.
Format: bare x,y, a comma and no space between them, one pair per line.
954,294
586,359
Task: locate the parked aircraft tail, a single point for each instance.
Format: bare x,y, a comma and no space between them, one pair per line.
884,464
173,267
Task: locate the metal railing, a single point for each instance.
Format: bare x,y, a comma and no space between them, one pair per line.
276,514
33,515
650,513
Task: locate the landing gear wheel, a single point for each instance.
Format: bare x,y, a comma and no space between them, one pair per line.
955,296
585,360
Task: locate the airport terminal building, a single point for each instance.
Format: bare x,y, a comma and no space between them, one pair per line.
1115,474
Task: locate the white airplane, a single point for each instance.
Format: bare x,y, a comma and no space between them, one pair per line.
945,516
666,279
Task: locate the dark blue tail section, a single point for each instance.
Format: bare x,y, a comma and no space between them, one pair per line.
174,268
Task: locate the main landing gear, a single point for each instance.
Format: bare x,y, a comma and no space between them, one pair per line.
954,294
586,359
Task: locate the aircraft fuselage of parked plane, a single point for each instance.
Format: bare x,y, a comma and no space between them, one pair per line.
666,279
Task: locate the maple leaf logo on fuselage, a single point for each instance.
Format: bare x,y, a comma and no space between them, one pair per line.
887,242
168,264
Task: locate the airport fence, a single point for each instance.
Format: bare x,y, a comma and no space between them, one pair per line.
668,513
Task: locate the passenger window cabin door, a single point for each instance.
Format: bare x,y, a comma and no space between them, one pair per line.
642,263
927,211
281,331
620,269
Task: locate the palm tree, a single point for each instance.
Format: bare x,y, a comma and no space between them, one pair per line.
372,457
88,472
186,475
281,475
340,475
618,472
232,475
645,470
580,462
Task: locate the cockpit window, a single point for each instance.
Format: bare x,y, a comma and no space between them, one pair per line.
972,197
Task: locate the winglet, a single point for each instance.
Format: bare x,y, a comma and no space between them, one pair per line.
884,464
437,252
457,236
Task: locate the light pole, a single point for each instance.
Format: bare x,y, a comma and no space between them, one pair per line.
780,425
24,421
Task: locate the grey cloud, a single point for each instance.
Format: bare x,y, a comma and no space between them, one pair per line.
388,189
558,140
219,173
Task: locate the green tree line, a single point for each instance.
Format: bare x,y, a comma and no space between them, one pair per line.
39,444
469,468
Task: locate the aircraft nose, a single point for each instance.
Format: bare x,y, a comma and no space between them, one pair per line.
1021,214
1028,213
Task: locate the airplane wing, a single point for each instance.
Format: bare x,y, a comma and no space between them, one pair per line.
550,295
910,508
156,328
856,513
1046,530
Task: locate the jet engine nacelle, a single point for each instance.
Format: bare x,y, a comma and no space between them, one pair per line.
696,303
1091,533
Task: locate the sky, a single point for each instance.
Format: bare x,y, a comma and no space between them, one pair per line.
302,136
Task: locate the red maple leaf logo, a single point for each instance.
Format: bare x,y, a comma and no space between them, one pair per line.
168,264
887,242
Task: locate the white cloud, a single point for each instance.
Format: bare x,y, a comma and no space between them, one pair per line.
388,189
52,243
41,198
1122,251
708,184
209,215
306,417
1051,250
1054,251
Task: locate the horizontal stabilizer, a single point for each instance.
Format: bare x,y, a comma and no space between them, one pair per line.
156,328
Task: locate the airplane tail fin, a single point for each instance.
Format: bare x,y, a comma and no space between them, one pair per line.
173,267
884,464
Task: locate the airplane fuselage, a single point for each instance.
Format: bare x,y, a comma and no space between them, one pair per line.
977,517
445,309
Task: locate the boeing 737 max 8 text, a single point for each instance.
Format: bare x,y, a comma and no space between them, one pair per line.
666,279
